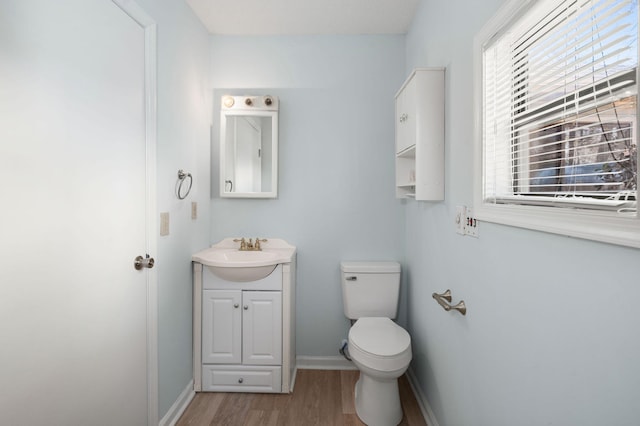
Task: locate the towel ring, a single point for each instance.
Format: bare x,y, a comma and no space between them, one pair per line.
182,177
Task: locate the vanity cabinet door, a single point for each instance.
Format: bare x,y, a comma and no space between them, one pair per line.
221,327
262,327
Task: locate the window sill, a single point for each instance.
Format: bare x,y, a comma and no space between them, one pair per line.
590,225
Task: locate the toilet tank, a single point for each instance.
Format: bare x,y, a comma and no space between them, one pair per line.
370,289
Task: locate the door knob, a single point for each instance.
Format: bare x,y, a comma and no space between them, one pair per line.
143,262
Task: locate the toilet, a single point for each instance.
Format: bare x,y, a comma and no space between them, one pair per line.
379,347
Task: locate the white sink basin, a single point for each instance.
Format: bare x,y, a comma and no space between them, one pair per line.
230,258
231,264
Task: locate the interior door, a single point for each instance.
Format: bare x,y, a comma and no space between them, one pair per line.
73,310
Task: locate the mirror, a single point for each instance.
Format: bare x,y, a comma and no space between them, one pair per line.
249,147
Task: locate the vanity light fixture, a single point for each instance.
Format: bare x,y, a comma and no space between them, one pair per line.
228,101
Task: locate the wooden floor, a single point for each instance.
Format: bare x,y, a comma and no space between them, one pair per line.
320,397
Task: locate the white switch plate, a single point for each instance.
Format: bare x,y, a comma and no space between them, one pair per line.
471,224
466,223
461,214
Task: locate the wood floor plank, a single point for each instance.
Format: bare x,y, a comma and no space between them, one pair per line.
320,398
412,414
348,379
202,409
233,410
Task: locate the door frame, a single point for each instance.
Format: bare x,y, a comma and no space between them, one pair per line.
135,12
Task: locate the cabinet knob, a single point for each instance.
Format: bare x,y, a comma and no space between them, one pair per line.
235,305
240,380
246,307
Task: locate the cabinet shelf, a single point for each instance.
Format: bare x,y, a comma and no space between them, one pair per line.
408,152
420,136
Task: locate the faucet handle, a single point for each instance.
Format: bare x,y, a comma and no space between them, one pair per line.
258,241
243,243
257,245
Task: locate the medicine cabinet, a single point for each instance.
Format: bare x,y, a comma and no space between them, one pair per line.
249,146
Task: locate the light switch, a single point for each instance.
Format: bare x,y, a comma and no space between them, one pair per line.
164,224
471,224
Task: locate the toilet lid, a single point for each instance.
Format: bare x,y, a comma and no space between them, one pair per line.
379,336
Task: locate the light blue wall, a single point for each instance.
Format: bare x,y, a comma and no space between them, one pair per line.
551,335
184,116
336,194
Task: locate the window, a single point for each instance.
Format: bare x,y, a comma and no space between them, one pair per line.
557,104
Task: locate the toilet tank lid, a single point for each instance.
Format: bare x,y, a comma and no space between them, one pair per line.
370,267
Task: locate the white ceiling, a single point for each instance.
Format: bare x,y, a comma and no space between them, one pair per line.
289,17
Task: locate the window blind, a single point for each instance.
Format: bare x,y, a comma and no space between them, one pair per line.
560,107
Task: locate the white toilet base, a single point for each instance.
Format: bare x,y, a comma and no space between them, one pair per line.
378,401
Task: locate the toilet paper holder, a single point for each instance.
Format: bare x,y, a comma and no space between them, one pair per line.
445,297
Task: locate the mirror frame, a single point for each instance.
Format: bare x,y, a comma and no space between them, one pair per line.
249,106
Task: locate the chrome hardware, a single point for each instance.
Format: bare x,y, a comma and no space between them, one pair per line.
182,177
143,262
246,307
440,298
351,278
240,380
235,305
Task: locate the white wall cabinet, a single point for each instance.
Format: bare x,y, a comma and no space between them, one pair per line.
420,136
244,332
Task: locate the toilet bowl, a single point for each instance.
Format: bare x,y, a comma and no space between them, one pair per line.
381,350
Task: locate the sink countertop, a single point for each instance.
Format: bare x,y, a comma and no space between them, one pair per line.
226,253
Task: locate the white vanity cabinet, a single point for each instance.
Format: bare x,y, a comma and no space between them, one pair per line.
242,327
244,332
420,136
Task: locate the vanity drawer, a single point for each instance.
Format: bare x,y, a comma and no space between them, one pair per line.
237,378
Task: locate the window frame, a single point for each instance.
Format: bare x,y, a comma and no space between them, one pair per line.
581,223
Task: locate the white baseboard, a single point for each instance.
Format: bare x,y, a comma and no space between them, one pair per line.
178,406
324,363
427,412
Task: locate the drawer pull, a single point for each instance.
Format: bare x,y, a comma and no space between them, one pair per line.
246,307
240,380
235,305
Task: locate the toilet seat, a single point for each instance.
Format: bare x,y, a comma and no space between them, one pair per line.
380,344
